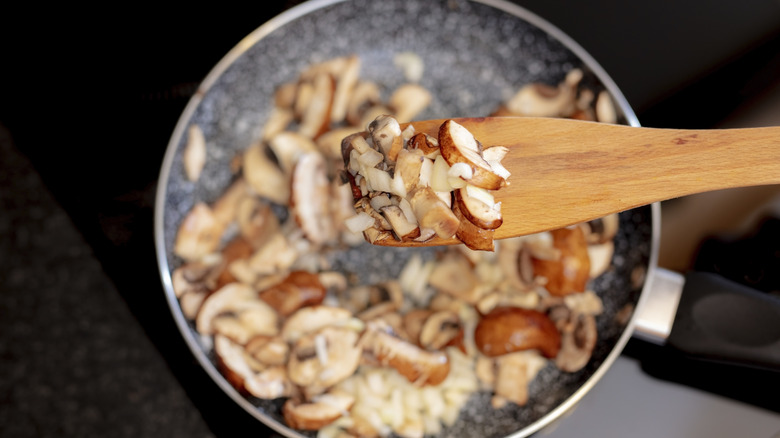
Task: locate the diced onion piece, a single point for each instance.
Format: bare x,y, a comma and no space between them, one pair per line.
439,175
370,158
360,222
426,172
378,180
406,207
377,202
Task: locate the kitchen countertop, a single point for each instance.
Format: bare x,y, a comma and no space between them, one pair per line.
88,347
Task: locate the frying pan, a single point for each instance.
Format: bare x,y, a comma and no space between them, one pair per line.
476,54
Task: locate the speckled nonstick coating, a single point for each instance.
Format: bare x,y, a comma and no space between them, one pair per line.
476,55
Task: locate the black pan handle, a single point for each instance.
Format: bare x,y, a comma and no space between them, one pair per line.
723,321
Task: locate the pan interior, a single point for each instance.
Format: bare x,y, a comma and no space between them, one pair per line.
475,56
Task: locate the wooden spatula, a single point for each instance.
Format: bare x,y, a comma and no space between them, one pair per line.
567,171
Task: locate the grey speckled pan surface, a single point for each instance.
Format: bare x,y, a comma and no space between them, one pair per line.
476,54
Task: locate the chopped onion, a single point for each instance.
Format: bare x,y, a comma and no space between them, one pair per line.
439,175
359,223
426,172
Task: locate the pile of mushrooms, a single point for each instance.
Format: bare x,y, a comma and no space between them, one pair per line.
412,186
403,355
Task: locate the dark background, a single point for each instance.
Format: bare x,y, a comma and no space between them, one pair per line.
88,100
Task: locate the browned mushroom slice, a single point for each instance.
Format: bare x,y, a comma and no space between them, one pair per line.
365,95
194,155
264,176
603,229
455,276
277,122
402,227
409,164
408,100
197,277
541,100
440,329
310,319
284,96
323,410
428,144
234,298
346,80
458,145
414,321
199,234
256,221
237,248
514,372
509,329
269,350
479,207
324,358
431,212
232,362
419,366
577,343
570,272
329,143
316,117
386,134
309,200
474,237
298,289
270,383
288,147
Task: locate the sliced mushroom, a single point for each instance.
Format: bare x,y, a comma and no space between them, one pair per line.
237,248
419,366
199,233
270,383
570,272
577,343
602,230
197,277
454,275
345,83
600,256
605,109
256,221
268,350
324,358
315,119
409,164
329,143
509,329
278,121
312,318
458,145
274,257
402,227
386,134
428,144
479,207
298,289
234,298
284,96
317,414
441,329
232,362
413,322
514,372
541,100
288,147
408,100
365,95
225,208
194,155
431,212
309,200
264,176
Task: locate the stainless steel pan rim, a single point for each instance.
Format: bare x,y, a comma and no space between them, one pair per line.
252,39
